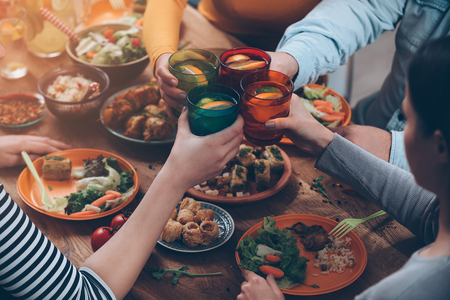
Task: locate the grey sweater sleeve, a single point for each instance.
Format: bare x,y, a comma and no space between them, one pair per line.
388,186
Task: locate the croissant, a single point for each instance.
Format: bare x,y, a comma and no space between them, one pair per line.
210,231
172,231
190,204
185,216
204,215
192,235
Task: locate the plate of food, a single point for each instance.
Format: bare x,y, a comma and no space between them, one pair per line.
82,184
21,109
301,255
254,174
197,226
137,114
326,106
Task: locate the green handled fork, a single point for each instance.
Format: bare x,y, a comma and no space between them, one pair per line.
347,225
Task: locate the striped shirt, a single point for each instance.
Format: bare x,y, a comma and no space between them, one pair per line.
31,267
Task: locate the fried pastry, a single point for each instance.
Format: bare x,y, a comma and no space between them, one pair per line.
204,215
262,174
190,204
192,235
174,214
135,127
158,129
210,231
185,216
172,231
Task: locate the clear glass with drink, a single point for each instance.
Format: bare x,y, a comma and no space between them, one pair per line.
12,38
267,95
43,38
212,107
237,62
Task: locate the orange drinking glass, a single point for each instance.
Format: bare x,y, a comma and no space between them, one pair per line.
267,95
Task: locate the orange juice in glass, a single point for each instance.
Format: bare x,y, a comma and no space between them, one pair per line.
267,95
12,32
43,38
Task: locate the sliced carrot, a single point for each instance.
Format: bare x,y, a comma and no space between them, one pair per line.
266,270
332,118
139,22
339,113
325,109
84,213
99,202
319,102
90,54
115,193
108,33
273,258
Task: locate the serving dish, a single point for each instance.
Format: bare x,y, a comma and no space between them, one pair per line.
327,283
254,194
119,132
31,117
80,110
118,73
345,108
30,191
226,229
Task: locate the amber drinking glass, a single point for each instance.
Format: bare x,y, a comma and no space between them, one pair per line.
267,95
237,62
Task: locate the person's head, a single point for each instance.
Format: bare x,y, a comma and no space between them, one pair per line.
427,108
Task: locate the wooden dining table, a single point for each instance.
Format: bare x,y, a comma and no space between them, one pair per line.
388,243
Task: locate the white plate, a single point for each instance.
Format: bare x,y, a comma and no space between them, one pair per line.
226,229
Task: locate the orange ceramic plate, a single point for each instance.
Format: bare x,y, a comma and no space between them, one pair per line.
30,191
345,108
102,11
327,283
255,196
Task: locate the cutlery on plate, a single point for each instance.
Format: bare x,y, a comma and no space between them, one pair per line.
93,87
45,198
347,225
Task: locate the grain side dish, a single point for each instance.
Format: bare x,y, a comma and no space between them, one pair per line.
335,257
20,109
68,88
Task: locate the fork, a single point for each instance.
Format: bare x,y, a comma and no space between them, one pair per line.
117,4
347,225
45,198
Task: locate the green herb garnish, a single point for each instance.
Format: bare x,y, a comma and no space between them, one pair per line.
245,152
159,273
276,153
260,167
50,188
239,171
318,187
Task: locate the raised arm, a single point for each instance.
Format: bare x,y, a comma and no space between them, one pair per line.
333,31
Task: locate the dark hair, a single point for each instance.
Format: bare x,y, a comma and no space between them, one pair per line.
429,86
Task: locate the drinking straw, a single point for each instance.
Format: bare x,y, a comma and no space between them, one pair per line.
58,23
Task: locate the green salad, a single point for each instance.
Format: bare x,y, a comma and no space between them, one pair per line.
273,241
109,47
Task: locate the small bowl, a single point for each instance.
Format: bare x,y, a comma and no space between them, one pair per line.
25,96
86,109
118,74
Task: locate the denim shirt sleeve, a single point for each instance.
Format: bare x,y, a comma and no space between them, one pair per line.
334,30
398,156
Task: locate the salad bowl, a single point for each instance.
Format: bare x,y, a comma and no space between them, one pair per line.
117,72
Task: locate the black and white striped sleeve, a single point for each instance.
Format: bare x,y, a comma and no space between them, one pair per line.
31,267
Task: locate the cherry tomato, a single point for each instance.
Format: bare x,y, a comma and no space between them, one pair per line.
118,221
136,42
100,237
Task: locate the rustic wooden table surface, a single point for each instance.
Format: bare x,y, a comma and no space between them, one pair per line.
388,244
